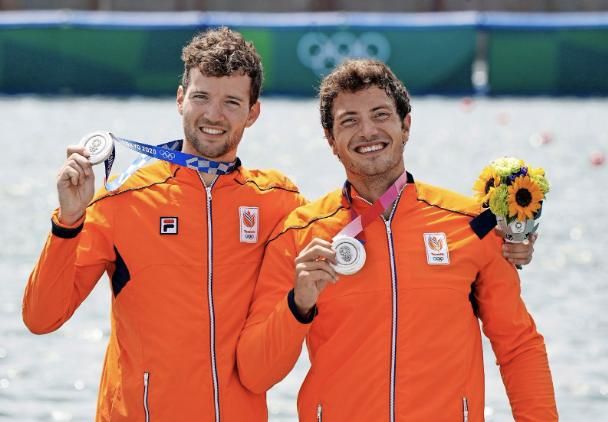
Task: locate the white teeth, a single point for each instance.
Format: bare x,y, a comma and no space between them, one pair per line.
211,131
370,148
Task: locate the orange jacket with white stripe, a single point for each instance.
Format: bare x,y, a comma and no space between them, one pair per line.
399,340
183,260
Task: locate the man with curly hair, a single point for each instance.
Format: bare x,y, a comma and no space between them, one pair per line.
398,338
182,249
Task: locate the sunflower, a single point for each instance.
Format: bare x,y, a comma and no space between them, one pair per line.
524,198
488,179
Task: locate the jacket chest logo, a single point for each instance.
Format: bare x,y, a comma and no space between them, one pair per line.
168,225
249,220
437,252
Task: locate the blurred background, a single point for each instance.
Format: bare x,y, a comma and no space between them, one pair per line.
488,79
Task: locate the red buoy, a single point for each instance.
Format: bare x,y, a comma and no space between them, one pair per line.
598,158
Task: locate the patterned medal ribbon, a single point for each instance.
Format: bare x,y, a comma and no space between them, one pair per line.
168,151
350,253
361,221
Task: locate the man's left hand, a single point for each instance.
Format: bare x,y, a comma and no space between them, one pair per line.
519,253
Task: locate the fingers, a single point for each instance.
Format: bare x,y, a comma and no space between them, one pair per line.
317,250
314,271
77,149
518,253
76,169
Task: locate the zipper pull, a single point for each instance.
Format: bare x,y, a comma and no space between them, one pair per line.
319,412
465,409
146,376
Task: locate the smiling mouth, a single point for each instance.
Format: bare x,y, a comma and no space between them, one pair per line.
211,131
366,149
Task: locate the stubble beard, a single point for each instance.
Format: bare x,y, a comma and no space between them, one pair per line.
212,150
380,168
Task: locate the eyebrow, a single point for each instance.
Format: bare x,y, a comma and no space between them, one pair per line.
380,107
232,97
354,113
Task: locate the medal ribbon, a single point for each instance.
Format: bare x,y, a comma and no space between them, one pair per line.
361,221
168,151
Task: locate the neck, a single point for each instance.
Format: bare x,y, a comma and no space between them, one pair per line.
207,178
373,187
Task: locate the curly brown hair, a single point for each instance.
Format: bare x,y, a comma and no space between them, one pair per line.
355,75
223,52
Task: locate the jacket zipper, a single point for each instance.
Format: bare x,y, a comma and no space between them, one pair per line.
389,235
465,409
146,385
319,413
216,392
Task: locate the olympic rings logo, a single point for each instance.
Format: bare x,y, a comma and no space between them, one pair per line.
167,155
321,53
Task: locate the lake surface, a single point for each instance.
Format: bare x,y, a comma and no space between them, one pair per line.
55,377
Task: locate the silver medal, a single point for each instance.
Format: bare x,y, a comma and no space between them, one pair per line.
350,255
99,145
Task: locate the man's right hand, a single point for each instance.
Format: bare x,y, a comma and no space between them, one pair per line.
313,272
75,185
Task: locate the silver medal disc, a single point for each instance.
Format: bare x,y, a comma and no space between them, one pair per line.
350,255
99,145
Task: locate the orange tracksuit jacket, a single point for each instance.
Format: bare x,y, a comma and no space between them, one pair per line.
399,340
183,261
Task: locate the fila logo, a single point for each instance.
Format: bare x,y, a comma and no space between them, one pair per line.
249,220
168,225
437,252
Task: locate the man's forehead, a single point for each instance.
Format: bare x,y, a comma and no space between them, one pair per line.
200,75
236,82
366,98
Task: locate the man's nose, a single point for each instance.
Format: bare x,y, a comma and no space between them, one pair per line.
213,112
368,129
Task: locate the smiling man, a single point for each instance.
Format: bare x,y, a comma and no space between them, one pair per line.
182,248
399,339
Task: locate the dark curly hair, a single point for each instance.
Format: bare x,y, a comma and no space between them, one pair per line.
353,76
223,52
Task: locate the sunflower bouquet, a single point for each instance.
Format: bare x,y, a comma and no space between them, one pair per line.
513,192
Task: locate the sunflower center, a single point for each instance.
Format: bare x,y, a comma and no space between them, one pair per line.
489,184
523,197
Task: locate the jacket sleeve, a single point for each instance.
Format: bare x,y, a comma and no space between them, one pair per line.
271,341
72,261
519,348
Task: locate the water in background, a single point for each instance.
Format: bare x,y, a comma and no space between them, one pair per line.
55,377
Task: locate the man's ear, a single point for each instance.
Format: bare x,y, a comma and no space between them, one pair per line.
254,113
180,99
331,141
405,127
